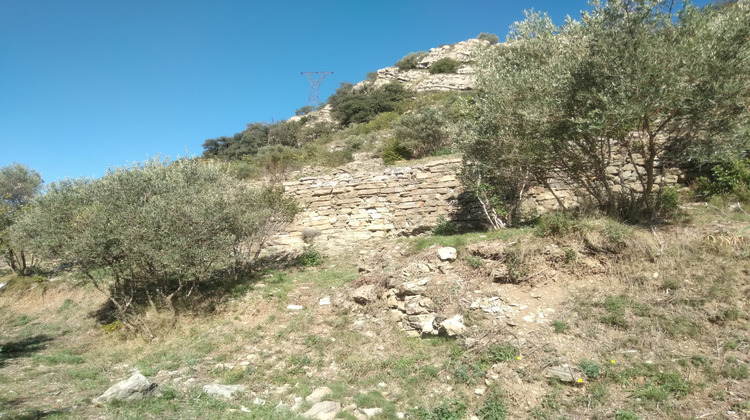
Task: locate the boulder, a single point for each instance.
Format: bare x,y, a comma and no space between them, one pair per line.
325,410
134,388
453,326
223,391
365,294
318,394
447,253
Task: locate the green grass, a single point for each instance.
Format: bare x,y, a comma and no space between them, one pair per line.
61,357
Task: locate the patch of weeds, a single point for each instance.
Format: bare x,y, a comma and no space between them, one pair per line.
626,415
598,393
493,409
65,305
111,327
699,360
726,315
310,257
662,385
234,376
559,326
500,353
445,227
473,261
451,410
590,368
554,224
570,255
22,320
62,357
733,369
514,262
468,373
670,283
680,327
615,316
742,408
371,399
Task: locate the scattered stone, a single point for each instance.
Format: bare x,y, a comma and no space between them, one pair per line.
453,326
480,391
318,394
365,294
325,410
134,388
325,301
259,401
447,253
294,307
372,412
563,373
223,391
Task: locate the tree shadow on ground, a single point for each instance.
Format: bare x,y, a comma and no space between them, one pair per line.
23,348
13,407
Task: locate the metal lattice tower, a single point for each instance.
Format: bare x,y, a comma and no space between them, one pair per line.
316,78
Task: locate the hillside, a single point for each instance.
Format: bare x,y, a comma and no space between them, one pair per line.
600,320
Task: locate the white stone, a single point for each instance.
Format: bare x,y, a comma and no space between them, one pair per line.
318,394
447,253
325,410
480,391
529,318
294,307
371,412
223,391
134,388
454,326
325,301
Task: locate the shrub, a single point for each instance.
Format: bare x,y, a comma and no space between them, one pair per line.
410,61
493,409
393,151
444,65
310,257
18,186
492,38
445,227
351,105
422,132
151,233
304,110
728,177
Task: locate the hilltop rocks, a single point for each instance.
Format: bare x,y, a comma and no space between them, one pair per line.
419,79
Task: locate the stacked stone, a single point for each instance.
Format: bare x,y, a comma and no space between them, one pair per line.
402,200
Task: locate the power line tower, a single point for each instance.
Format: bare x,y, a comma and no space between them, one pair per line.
316,78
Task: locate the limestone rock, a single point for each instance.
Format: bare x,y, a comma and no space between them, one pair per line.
563,373
365,294
223,391
318,394
325,410
134,388
453,326
447,253
372,412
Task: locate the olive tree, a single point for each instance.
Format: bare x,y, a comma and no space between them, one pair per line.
148,235
644,77
18,186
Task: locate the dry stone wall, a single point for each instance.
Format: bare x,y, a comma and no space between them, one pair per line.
342,209
346,207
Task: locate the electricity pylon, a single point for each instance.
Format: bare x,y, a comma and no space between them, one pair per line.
316,77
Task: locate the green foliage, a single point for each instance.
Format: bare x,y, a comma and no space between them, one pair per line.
18,186
361,105
445,227
310,257
554,224
474,261
590,368
468,373
500,353
422,132
560,326
634,77
393,151
410,61
493,409
492,38
444,65
728,177
450,410
155,231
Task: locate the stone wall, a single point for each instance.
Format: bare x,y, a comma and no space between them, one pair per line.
348,206
345,208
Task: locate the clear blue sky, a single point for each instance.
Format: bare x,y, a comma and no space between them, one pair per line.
85,84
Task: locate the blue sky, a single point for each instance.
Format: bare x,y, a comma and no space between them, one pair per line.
85,84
